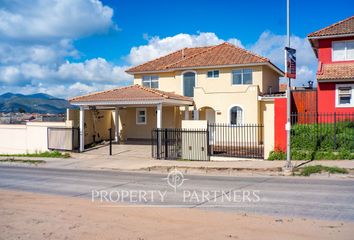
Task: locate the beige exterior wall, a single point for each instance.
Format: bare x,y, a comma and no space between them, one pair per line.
171,118
267,116
29,138
97,123
219,93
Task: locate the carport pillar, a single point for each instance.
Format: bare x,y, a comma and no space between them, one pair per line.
116,124
195,114
186,112
159,115
82,128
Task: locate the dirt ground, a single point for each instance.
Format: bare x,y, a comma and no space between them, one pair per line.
36,216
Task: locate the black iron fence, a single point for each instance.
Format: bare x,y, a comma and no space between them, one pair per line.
322,131
244,141
224,140
64,139
176,143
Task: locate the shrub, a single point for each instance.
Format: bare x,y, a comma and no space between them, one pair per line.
308,170
277,155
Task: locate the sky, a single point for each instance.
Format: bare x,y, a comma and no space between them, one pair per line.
67,48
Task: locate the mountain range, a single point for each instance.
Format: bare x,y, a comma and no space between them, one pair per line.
33,103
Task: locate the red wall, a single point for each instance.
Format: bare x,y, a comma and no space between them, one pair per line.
325,49
279,124
326,99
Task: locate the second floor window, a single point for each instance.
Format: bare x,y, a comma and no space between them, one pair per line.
343,50
151,81
213,74
242,76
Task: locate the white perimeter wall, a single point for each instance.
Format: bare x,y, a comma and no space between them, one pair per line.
29,138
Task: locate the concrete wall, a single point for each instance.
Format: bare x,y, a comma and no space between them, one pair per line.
29,138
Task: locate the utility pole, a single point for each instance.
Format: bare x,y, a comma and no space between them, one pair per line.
288,165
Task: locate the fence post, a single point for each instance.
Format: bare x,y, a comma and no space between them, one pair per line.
110,141
157,143
335,131
166,147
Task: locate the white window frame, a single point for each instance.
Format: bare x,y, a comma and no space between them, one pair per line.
137,116
338,105
213,73
242,70
150,80
242,117
345,51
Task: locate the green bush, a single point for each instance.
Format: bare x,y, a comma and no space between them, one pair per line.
277,155
312,155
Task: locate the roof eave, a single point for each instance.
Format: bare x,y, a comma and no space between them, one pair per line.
281,73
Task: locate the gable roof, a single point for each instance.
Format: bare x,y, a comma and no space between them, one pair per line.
344,27
129,93
336,71
220,55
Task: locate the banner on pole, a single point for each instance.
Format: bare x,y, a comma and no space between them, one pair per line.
290,62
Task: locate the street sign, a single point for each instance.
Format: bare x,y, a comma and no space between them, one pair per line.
290,58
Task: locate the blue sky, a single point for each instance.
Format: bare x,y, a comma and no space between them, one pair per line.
71,47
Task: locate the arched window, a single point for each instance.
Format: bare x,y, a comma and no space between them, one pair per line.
236,115
188,84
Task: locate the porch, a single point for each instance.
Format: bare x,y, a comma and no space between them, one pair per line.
131,112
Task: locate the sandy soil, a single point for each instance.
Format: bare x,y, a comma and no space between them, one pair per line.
36,216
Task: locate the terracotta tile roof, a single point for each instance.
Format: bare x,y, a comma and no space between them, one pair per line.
345,26
222,54
283,87
336,71
129,93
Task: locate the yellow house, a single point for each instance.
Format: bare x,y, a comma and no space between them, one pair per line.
221,84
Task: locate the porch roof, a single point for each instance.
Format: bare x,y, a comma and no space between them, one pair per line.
131,95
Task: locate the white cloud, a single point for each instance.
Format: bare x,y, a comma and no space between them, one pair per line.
157,47
272,46
48,19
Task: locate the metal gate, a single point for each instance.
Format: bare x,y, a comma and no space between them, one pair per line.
176,143
242,141
65,139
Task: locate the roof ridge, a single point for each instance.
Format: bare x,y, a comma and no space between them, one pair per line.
208,48
103,91
249,52
152,60
330,26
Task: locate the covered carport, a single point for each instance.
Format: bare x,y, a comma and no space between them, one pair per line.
135,96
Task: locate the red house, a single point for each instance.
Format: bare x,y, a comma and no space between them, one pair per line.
334,49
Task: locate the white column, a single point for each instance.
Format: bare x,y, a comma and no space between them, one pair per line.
116,124
186,112
159,115
82,128
196,115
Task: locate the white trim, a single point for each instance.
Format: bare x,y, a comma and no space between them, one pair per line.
280,72
195,80
229,114
333,36
136,116
345,50
213,70
335,80
137,102
242,84
338,105
82,128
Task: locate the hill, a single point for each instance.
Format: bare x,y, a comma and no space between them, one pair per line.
33,103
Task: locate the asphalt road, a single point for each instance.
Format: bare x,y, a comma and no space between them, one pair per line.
330,199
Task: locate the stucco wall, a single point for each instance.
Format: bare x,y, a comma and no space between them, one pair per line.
219,93
29,138
97,123
326,94
171,118
267,112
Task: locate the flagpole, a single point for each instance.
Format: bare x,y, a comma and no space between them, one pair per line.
288,165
